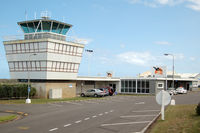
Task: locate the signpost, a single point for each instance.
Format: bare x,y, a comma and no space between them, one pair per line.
163,98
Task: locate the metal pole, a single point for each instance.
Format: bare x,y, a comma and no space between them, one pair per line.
173,70
29,76
28,100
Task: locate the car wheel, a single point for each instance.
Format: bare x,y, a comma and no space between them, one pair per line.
95,95
82,94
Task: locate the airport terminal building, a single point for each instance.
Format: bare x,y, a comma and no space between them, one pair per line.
51,61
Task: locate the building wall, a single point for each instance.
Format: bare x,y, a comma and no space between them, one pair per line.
94,85
54,59
68,88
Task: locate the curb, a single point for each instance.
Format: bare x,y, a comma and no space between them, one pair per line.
15,112
20,115
150,124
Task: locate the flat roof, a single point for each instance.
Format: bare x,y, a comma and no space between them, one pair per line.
81,78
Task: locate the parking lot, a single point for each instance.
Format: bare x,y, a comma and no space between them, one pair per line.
122,114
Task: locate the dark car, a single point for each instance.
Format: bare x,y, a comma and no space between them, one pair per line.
110,90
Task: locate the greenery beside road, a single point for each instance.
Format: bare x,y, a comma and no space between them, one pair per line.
10,91
178,119
43,101
7,118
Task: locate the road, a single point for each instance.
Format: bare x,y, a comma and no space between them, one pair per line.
116,114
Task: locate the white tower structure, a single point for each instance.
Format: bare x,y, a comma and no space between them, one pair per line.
44,53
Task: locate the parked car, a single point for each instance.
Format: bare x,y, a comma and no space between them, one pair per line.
105,90
93,93
110,90
181,90
172,91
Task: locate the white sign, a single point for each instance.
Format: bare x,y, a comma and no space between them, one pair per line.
163,98
163,95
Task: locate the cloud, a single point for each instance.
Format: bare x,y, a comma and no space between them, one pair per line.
192,58
195,5
81,40
192,4
122,45
162,43
137,58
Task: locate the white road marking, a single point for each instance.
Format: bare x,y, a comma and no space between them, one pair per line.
94,116
140,103
90,102
106,112
111,110
53,129
67,125
146,111
100,114
136,116
86,118
78,121
127,123
73,103
55,105
144,129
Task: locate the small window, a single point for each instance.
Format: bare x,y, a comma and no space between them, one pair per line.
160,85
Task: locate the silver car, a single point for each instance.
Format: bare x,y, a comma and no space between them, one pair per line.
93,93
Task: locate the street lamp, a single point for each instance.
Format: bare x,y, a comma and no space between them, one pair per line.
172,68
28,100
89,51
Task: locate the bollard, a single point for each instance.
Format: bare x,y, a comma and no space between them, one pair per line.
172,102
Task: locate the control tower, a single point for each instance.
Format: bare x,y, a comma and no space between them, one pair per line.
44,53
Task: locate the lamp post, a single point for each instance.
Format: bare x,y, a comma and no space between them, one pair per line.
172,68
28,100
89,51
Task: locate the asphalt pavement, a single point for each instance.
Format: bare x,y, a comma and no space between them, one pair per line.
116,114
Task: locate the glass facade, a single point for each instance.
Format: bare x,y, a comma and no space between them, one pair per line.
45,26
134,86
51,47
51,66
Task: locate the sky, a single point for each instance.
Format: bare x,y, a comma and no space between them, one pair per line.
127,37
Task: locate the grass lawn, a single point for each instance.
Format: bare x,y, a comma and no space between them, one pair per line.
7,118
178,119
43,101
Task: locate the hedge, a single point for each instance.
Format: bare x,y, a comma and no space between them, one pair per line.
15,91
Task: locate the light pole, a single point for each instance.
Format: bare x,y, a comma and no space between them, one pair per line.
29,89
172,68
89,51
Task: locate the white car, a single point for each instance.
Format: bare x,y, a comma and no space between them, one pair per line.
181,90
94,93
172,91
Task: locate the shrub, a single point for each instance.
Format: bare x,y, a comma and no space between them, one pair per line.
198,109
15,91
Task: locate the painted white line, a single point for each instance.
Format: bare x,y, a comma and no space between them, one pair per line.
78,121
146,111
111,110
106,112
94,116
73,103
100,114
136,116
127,123
53,129
144,129
55,104
86,118
67,125
140,103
